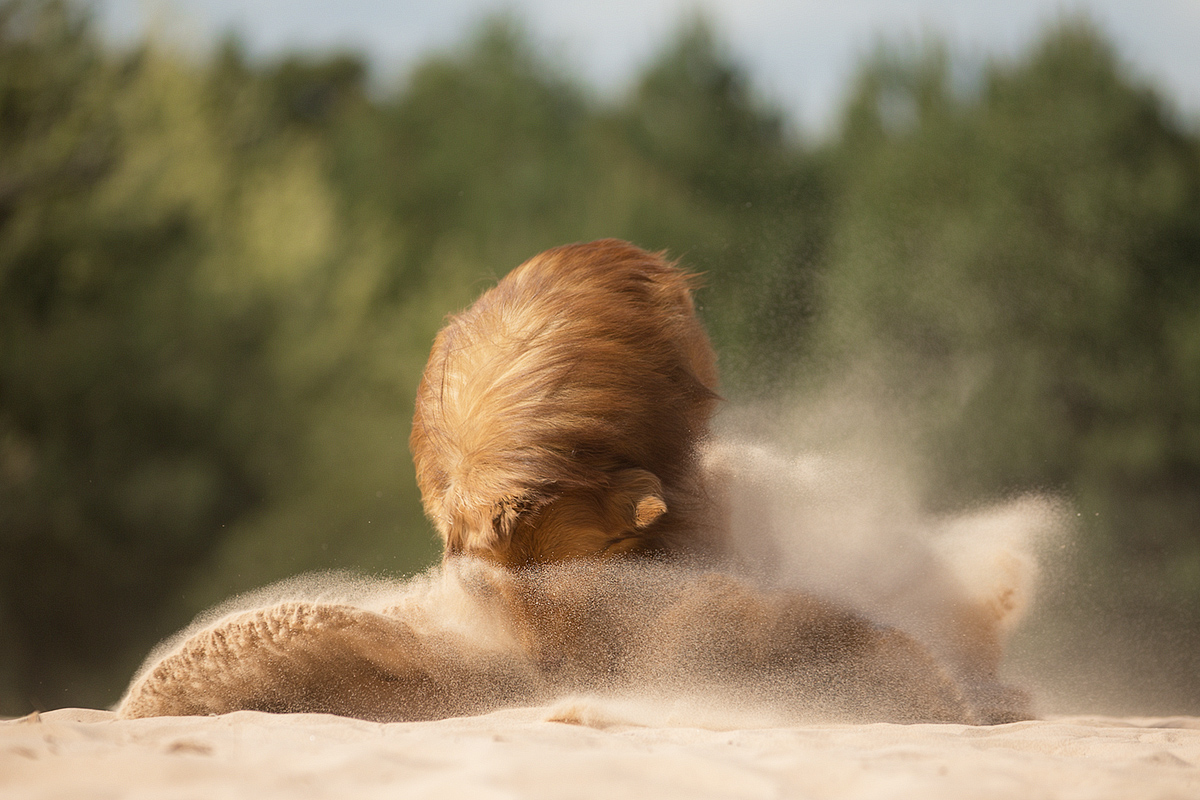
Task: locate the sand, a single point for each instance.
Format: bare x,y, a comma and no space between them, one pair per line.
624,750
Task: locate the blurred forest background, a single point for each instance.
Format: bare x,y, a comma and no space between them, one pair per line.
219,280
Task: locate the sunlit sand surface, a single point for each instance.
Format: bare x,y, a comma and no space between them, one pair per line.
623,750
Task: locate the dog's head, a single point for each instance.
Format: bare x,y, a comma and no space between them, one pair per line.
559,414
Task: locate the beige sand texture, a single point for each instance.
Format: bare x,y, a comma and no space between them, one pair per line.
625,750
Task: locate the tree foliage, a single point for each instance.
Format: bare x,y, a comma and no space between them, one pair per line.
1026,264
219,281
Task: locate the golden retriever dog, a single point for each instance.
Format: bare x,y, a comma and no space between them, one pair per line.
559,439
566,414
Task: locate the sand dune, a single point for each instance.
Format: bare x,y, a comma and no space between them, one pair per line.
627,750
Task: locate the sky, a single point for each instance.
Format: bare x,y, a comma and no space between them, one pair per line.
800,53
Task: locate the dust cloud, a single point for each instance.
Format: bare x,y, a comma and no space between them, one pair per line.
826,498
829,495
842,521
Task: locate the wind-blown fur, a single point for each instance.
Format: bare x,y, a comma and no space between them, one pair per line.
559,416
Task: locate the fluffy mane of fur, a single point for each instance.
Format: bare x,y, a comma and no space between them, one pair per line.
559,415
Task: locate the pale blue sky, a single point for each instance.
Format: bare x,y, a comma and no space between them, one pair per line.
800,52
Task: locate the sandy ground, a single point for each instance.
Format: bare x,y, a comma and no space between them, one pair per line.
621,751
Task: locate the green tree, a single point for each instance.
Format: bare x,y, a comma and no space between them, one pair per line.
118,454
1022,262
186,314
759,201
219,281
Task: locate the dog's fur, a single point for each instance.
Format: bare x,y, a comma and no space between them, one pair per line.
559,416
557,435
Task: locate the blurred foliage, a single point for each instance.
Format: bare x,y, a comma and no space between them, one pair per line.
1022,264
219,281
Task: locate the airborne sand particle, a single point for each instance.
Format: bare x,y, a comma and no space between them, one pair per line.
843,530
560,439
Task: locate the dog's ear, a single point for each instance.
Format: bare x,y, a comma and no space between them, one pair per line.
639,495
507,512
